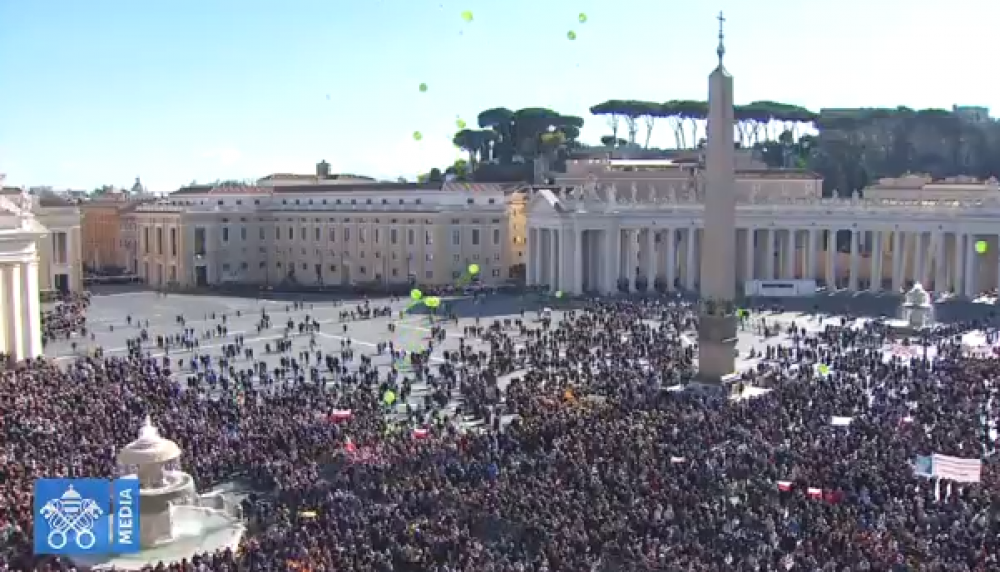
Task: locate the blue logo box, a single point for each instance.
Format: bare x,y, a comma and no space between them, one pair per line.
86,516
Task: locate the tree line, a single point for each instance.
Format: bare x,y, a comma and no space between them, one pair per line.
848,148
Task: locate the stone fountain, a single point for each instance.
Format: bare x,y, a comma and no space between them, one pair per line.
918,310
174,522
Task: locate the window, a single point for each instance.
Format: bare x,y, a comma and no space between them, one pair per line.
318,234
496,236
243,233
455,275
261,233
225,234
277,233
427,238
362,235
159,241
347,235
409,237
378,235
333,234
455,258
496,272
225,267
302,233
145,239
291,233
456,237
173,242
496,256
429,275
393,236
475,237
362,270
199,241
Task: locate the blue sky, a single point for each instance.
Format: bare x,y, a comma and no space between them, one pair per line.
101,91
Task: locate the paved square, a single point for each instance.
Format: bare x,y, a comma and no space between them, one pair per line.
108,323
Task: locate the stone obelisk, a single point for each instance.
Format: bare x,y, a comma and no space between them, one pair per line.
717,316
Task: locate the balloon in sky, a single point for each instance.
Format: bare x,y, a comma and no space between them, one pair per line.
583,18
418,135
460,124
981,246
571,35
467,15
416,295
423,87
473,269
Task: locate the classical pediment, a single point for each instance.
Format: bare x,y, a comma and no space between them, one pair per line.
545,201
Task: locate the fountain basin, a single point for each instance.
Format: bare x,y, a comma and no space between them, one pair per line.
196,530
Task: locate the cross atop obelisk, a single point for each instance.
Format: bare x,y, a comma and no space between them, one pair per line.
721,50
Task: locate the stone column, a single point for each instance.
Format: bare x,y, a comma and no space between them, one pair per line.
530,271
632,251
576,275
898,259
751,254
671,246
791,254
14,318
959,259
691,262
614,261
876,268
918,258
651,260
831,256
852,280
812,254
940,264
971,282
32,310
553,262
769,257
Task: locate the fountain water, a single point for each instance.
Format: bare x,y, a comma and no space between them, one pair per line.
174,522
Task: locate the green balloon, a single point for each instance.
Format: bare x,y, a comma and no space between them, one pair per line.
416,295
460,124
571,35
583,18
981,246
417,136
423,87
559,294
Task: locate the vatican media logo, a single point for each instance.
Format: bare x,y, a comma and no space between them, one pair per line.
86,516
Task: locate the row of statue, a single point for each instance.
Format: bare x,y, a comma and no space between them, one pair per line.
595,195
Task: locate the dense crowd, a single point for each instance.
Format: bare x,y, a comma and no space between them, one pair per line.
606,465
67,316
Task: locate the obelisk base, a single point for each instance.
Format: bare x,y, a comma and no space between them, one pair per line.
716,348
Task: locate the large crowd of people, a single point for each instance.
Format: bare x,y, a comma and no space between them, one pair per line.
594,457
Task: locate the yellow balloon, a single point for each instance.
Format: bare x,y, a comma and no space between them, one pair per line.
473,269
416,294
467,15
460,124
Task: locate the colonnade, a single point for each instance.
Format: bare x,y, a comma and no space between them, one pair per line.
20,307
573,258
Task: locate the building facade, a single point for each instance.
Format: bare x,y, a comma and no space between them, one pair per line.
316,234
60,251
593,238
60,266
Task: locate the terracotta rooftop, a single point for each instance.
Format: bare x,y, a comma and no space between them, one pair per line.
314,189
